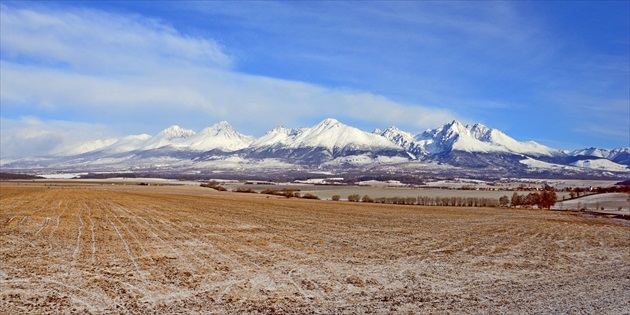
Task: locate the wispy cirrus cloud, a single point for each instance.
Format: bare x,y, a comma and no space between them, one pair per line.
95,41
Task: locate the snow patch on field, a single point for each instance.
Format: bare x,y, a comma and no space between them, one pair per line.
62,176
536,164
601,164
609,201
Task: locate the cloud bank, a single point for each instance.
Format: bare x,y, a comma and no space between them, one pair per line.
87,72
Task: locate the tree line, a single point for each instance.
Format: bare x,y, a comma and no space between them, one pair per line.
425,200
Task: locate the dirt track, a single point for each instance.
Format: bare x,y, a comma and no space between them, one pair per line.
136,249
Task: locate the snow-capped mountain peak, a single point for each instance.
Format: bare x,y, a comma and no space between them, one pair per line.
480,131
173,136
331,143
333,135
220,136
220,127
279,136
595,152
327,124
618,155
89,147
175,132
476,138
397,136
127,144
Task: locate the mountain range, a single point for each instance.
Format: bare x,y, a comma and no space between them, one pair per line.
333,147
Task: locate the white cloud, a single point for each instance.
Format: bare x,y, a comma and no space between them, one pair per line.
30,136
89,40
110,69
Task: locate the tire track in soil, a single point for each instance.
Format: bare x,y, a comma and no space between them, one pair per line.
101,277
173,229
84,297
238,246
165,217
40,206
149,227
154,290
153,230
44,225
58,219
92,234
130,255
18,205
227,253
184,225
132,235
77,248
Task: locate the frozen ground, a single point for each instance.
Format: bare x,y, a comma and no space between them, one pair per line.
614,203
132,249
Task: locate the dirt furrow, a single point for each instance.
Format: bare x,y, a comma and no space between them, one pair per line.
184,250
58,219
77,248
130,255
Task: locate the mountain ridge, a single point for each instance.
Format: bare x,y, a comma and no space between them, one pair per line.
331,144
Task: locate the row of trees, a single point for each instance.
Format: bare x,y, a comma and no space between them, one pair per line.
426,201
544,199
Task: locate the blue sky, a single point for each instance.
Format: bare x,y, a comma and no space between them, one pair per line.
556,72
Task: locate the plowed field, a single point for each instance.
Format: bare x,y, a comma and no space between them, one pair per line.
187,250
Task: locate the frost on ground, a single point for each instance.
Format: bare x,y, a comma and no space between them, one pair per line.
613,203
137,249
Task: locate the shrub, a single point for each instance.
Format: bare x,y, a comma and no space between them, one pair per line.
310,196
245,190
367,198
354,198
336,197
214,185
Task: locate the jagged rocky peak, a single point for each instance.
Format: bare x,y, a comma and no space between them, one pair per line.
331,140
397,136
220,127
456,127
392,130
480,131
175,131
328,123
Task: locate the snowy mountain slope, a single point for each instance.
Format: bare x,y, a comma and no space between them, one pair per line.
455,136
173,136
537,164
322,143
498,138
601,164
453,147
277,138
335,136
403,139
618,155
89,147
126,144
594,152
220,136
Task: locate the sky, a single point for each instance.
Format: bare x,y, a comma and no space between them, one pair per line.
556,72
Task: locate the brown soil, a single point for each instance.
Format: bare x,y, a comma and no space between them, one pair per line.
137,249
